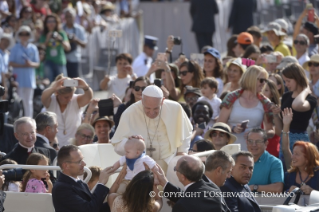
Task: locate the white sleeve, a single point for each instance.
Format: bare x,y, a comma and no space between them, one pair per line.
185,145
122,160
119,147
149,161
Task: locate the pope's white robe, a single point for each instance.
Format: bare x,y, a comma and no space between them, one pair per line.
177,124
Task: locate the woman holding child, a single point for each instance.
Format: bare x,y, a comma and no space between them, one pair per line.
248,103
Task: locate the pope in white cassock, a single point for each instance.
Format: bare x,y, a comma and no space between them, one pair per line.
162,123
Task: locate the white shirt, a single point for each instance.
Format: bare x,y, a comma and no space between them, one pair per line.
304,58
4,7
44,138
186,187
118,86
138,166
214,102
139,66
220,86
69,120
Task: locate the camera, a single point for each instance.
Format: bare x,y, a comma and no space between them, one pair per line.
2,91
177,40
316,39
55,35
13,174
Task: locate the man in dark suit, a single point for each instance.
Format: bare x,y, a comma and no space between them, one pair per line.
241,15
198,195
47,128
241,174
203,15
70,194
218,168
25,133
8,141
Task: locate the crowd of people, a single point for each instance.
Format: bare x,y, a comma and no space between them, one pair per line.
262,95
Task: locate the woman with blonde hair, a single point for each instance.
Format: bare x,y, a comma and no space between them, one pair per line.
66,105
248,104
235,69
84,135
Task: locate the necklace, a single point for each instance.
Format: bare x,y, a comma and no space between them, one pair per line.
151,149
303,181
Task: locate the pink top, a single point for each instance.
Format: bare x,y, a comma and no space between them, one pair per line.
35,186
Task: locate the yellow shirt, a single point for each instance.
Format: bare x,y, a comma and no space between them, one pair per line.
283,48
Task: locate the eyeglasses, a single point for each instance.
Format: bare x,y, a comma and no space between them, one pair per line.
183,73
313,64
86,137
27,134
220,134
24,34
194,98
76,162
262,80
138,88
192,150
256,142
175,170
299,42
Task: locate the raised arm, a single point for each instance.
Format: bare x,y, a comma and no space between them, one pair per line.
85,98
300,103
47,93
287,118
299,22
277,120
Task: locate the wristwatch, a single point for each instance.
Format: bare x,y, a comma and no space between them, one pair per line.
255,188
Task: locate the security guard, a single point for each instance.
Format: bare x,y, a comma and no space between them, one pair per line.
144,61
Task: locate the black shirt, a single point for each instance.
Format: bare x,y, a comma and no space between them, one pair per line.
300,120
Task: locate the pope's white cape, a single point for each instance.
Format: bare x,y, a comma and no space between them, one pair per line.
178,126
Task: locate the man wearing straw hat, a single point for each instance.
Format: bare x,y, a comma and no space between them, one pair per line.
275,36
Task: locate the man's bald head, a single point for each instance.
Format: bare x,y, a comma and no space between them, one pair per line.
191,167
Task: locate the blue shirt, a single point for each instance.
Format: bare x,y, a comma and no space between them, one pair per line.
79,32
267,170
19,54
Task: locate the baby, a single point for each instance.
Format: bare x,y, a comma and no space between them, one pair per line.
134,158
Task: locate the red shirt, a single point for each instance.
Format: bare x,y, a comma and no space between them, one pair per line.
43,11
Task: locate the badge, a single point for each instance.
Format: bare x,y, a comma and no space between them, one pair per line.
53,53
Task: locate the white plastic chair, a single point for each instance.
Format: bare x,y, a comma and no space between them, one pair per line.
32,202
102,155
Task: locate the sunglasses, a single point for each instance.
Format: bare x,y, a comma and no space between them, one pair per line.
192,150
220,134
183,73
55,145
86,137
138,88
262,80
313,64
51,21
24,34
299,42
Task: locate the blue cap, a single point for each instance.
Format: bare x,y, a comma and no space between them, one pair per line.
214,52
151,41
